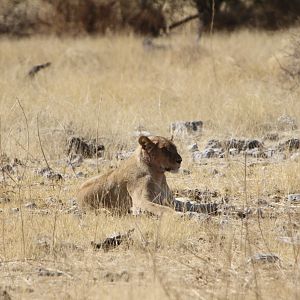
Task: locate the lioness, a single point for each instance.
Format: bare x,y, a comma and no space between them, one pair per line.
139,184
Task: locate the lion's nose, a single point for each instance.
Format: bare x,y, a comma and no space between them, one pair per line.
179,160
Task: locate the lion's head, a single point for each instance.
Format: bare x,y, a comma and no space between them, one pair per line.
160,153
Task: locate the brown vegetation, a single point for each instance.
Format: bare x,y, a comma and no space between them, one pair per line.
79,17
24,18
232,14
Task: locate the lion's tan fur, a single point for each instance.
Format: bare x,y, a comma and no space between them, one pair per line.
139,184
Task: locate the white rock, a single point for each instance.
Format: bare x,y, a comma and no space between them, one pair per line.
295,157
286,122
294,197
264,257
30,205
193,147
186,128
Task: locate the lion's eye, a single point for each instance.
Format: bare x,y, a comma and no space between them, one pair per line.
166,151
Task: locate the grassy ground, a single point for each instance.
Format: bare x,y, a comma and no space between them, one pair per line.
110,86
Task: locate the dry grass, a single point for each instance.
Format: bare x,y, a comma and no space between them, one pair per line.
115,83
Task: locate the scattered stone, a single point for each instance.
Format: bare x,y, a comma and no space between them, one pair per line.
270,152
222,155
262,202
241,145
242,214
75,160
216,148
49,174
84,147
41,212
72,210
8,168
271,136
264,257
16,162
81,175
15,209
72,202
139,212
253,144
256,152
286,122
214,144
30,205
42,171
290,145
193,147
208,153
294,198
233,151
295,157
197,195
293,240
50,272
4,200
214,172
54,176
122,155
234,143
196,156
140,131
184,128
4,158
276,198
185,171
185,205
113,277
218,152
112,241
50,201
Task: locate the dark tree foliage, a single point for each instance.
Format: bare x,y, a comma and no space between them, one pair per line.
230,14
146,17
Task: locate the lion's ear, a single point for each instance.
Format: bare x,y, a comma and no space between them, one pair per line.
146,143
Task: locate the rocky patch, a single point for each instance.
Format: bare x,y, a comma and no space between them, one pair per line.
86,148
186,128
113,241
250,147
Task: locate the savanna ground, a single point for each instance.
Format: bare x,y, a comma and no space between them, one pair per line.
107,87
